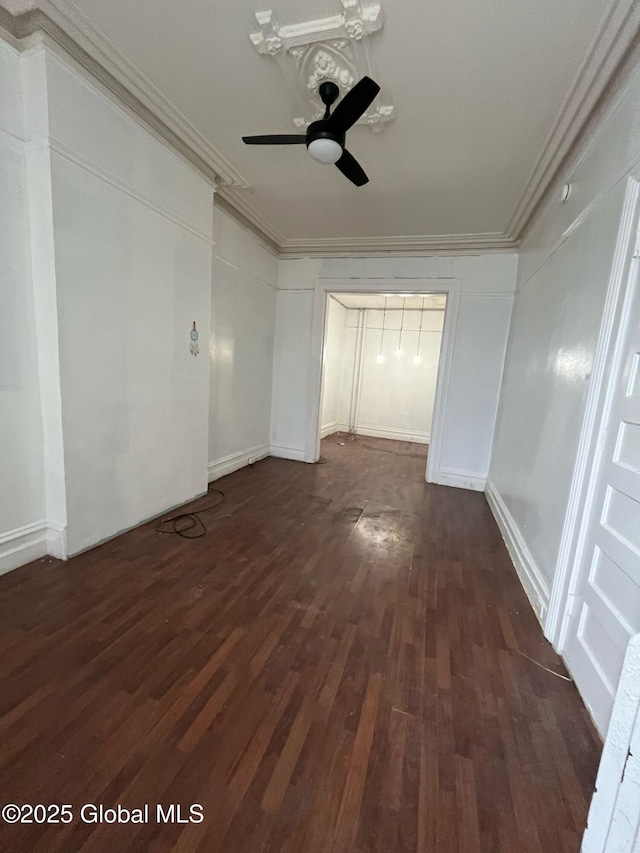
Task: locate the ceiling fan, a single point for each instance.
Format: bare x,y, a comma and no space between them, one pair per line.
325,138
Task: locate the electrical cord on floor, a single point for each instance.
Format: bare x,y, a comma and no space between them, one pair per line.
542,666
191,519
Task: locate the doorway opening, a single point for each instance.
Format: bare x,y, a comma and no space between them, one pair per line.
381,363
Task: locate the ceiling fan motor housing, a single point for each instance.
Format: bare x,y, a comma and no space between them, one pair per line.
321,130
323,144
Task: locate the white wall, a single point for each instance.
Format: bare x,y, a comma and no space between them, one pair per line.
127,272
23,532
564,270
120,245
243,301
396,397
108,237
333,357
291,366
486,285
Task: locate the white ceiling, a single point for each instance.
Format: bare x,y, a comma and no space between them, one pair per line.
476,86
393,302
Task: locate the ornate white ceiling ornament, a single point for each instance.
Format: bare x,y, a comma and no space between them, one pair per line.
334,48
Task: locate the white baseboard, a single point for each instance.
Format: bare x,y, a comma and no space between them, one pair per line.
328,429
388,432
234,461
30,542
528,571
281,451
460,479
56,540
157,516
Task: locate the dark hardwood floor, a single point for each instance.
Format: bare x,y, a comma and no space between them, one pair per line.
335,666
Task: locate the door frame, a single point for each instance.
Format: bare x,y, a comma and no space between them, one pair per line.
450,287
597,411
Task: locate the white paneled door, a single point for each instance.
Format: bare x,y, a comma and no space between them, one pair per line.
605,610
614,817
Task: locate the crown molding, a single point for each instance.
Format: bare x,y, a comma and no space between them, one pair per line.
64,27
607,51
94,55
244,214
398,245
235,204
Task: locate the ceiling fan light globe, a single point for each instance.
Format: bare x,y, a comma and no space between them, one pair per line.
326,151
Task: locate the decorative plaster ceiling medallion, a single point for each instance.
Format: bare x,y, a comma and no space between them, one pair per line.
334,48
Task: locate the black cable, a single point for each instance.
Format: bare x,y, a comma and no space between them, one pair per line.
193,519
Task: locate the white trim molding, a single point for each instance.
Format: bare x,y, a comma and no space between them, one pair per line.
65,29
282,451
397,245
84,164
235,205
30,542
616,36
63,26
233,200
324,287
460,479
56,540
418,437
234,461
329,429
526,567
599,397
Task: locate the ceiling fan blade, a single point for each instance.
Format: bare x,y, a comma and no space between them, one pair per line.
276,139
351,169
354,104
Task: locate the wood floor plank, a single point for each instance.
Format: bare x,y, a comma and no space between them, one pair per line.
347,823
335,666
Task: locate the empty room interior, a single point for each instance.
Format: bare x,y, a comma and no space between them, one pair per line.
380,360
320,426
